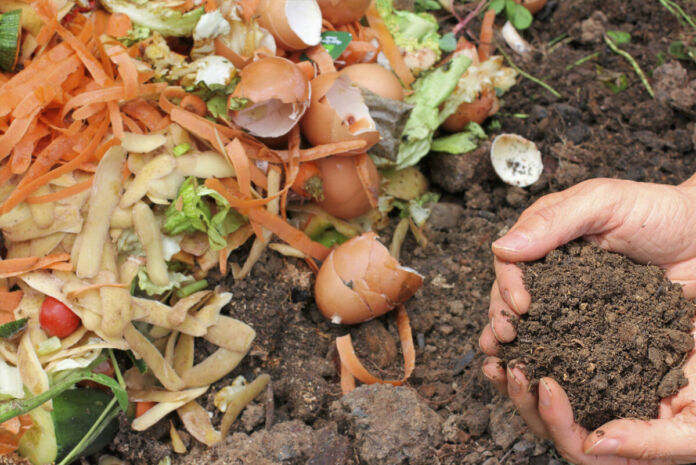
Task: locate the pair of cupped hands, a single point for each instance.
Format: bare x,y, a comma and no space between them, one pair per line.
650,223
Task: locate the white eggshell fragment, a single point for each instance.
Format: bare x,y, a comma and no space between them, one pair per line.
516,160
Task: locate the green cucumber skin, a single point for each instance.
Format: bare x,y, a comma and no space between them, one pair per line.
74,413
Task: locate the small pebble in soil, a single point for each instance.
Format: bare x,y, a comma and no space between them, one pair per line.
612,332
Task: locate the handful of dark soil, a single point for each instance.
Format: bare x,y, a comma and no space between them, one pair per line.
613,333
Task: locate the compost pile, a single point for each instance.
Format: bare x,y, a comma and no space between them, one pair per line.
612,332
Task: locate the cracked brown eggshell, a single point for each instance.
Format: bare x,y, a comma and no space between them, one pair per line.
295,24
360,280
278,92
339,12
338,113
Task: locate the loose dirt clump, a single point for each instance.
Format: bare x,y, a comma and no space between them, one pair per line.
613,333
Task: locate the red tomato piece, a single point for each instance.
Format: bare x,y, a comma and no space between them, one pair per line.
57,319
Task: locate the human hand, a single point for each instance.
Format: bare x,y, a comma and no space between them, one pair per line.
647,222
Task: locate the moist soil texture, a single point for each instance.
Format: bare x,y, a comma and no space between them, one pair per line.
612,332
447,408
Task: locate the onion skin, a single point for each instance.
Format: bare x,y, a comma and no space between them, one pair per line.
345,196
533,6
339,12
322,125
360,281
477,111
375,78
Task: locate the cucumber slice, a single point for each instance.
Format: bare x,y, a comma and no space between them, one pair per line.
39,443
74,413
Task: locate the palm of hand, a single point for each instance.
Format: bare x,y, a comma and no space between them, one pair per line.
649,223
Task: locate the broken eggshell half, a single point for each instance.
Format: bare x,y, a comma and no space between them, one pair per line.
278,93
338,113
339,12
516,160
360,280
295,24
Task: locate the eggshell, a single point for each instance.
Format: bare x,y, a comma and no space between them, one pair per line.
344,194
339,12
516,160
534,6
279,94
348,268
273,77
338,113
376,78
337,301
295,24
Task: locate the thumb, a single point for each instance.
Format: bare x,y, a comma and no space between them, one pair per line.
546,228
655,439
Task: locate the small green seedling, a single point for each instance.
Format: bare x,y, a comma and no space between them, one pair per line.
519,16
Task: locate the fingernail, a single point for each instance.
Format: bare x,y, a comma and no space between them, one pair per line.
545,395
507,297
493,329
515,386
512,242
607,446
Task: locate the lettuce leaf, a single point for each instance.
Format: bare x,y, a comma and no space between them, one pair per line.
430,91
156,15
176,280
191,212
461,142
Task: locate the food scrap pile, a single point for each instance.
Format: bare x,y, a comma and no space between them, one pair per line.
142,142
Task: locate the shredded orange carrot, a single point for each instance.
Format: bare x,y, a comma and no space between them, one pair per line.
144,113
289,234
10,300
116,119
119,25
352,364
238,158
486,38
389,48
21,155
81,290
62,194
11,431
194,104
126,69
210,5
18,128
17,266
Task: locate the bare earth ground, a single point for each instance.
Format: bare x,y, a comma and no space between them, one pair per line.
447,413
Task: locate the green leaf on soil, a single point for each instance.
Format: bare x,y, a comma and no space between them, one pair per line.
619,37
519,16
448,43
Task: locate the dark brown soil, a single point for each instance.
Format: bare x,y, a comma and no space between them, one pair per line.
588,132
612,332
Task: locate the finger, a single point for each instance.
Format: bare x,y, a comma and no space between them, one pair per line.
671,439
509,279
525,399
682,273
547,228
488,342
502,318
557,414
493,370
568,436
